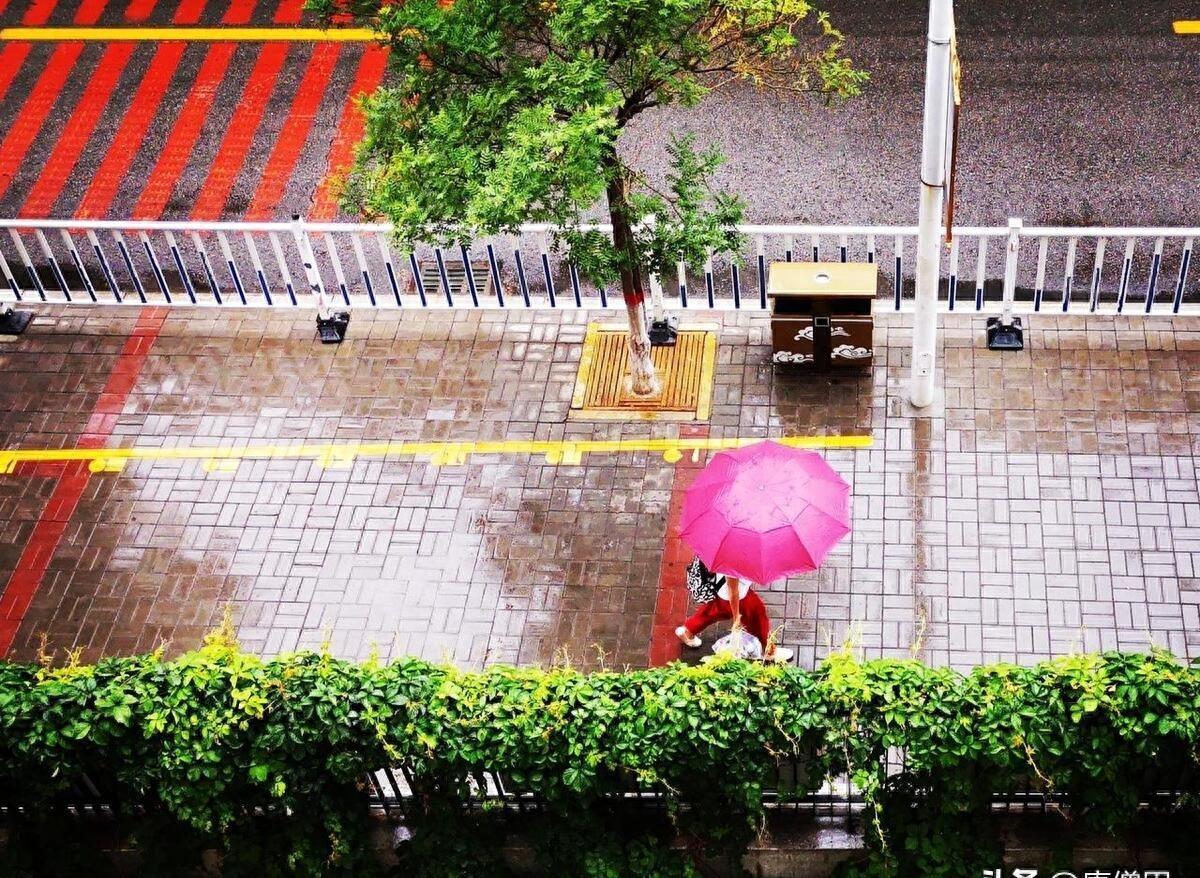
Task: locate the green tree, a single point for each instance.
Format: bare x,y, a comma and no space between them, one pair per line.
503,112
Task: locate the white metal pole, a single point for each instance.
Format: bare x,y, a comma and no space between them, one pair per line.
933,169
311,274
657,313
1010,271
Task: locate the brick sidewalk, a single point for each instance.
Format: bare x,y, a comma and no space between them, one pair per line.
1049,504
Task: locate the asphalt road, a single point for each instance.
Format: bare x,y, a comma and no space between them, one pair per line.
1074,112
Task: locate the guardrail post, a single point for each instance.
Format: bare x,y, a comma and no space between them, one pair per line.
331,325
1005,333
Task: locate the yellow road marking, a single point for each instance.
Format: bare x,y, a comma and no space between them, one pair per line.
191,34
1187,27
341,455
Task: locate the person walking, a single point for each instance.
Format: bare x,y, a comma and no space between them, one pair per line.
724,598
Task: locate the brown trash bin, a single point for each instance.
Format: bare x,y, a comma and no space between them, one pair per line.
821,313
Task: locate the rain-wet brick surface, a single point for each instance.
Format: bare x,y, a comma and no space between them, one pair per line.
1048,504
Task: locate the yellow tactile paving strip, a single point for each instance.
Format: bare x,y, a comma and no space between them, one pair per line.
337,455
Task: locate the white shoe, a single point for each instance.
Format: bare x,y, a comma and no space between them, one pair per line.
688,639
782,654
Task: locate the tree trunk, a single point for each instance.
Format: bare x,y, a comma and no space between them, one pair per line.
643,380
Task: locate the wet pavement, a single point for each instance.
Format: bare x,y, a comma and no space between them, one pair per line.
1049,503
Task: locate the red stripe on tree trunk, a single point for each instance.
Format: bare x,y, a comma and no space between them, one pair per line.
240,134
671,606
31,568
143,109
350,130
295,131
37,106
184,133
78,132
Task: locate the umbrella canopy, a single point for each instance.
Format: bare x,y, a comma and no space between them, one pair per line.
765,511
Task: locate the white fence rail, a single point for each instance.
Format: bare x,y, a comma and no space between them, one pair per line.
233,265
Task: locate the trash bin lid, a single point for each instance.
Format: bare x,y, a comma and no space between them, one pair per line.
853,279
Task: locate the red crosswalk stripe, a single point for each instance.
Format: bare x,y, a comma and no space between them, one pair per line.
35,109
139,10
240,134
239,12
294,134
90,11
49,83
106,182
82,124
341,154
189,12
289,12
12,56
184,134
39,13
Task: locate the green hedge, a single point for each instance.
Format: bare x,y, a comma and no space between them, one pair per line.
198,740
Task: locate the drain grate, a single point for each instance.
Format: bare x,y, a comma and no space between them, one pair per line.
685,370
431,279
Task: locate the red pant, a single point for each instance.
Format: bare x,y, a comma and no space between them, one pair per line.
750,605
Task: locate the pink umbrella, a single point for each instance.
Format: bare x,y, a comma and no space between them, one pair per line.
764,511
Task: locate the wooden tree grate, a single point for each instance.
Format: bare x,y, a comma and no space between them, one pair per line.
602,390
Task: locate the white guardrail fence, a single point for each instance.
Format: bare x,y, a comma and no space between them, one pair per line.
233,265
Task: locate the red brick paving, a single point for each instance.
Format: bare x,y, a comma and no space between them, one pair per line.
672,603
31,567
69,483
48,531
